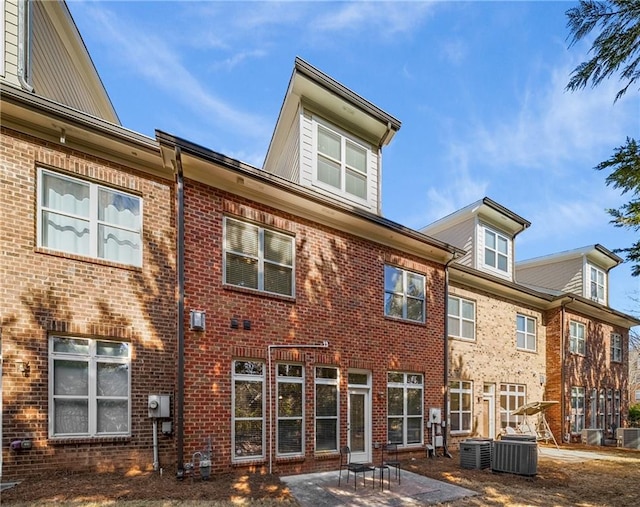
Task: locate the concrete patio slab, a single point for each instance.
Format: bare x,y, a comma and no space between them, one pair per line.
322,490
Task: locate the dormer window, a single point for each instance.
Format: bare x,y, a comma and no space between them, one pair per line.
341,162
496,251
596,284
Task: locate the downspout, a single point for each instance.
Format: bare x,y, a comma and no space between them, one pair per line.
382,142
324,345
563,357
446,355
180,311
24,44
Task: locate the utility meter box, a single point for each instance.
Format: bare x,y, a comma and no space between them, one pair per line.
159,405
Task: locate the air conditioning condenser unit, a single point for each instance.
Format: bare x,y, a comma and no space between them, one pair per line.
515,457
592,436
628,437
475,453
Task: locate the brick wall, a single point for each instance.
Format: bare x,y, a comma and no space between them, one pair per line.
339,298
43,292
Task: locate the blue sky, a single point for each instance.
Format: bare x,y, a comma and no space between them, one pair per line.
478,86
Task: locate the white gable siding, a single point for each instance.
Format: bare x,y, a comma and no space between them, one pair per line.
461,236
306,150
10,41
287,164
563,275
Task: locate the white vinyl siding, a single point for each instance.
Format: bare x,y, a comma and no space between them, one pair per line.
462,318
88,219
526,333
248,410
89,387
258,258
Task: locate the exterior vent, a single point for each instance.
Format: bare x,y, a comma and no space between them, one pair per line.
592,436
515,457
628,437
475,453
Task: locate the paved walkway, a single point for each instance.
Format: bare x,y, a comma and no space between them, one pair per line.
322,490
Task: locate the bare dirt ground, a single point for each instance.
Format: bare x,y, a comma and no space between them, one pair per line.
611,480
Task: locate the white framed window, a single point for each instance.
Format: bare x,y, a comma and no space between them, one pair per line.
327,409
258,258
616,347
341,161
290,409
576,338
637,395
577,409
405,394
248,410
404,294
512,396
460,405
497,250
597,284
526,333
462,318
85,218
89,387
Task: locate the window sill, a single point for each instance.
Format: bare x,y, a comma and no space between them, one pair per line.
90,260
256,292
529,351
290,459
322,455
405,321
257,461
90,440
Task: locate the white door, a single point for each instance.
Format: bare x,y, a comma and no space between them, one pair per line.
489,411
359,424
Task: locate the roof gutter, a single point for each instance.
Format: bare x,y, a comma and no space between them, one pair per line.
24,44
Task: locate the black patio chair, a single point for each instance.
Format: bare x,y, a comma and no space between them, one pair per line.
356,468
391,450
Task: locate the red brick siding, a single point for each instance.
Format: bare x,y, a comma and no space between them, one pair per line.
339,298
43,292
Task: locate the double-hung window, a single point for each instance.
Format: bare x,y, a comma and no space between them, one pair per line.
577,409
85,218
404,294
460,405
89,387
526,333
326,383
341,162
616,347
258,258
290,384
576,338
462,318
596,284
512,396
496,250
404,408
248,410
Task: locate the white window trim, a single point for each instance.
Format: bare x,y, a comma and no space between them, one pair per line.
577,339
519,392
616,348
92,359
588,267
260,258
290,380
344,136
494,269
460,391
326,381
405,386
576,394
249,378
461,319
92,219
526,334
405,296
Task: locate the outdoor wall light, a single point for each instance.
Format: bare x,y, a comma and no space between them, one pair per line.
197,320
23,367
